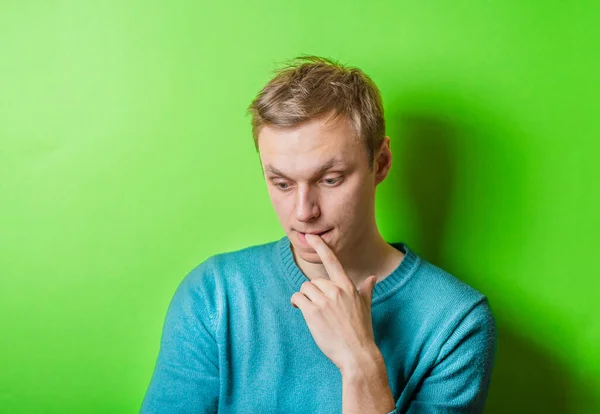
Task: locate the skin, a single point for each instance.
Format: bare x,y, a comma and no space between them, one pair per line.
353,254
339,319
341,199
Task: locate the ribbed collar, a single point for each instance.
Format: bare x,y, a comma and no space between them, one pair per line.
382,290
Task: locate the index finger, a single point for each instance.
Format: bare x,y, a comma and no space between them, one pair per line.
332,264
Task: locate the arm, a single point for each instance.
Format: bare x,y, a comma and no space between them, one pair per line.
186,376
339,318
365,388
460,378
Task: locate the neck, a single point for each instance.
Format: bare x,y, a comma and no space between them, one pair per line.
368,255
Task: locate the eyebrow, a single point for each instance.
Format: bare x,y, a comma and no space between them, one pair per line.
326,166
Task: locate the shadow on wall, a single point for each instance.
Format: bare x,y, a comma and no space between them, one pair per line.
434,147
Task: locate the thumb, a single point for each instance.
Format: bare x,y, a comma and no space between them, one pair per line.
366,289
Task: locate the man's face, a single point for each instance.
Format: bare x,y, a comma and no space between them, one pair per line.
318,179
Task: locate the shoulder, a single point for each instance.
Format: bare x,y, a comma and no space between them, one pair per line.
441,299
223,275
445,289
245,258
230,266
449,312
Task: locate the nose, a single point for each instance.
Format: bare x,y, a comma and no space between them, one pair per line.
307,207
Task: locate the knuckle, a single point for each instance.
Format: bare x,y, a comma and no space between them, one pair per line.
330,257
314,310
336,293
304,286
318,282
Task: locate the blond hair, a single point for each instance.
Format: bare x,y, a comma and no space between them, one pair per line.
311,86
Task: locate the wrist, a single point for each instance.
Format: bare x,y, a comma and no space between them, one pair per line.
365,385
367,363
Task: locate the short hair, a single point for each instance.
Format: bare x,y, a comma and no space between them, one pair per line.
311,86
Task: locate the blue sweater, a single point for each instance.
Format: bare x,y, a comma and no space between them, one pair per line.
232,342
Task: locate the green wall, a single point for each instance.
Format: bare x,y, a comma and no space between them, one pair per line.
126,159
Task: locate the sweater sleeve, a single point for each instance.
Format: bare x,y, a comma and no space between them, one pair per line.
460,379
186,375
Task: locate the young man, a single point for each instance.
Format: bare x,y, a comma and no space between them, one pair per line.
330,318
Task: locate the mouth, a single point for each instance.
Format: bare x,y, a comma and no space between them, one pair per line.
322,234
318,233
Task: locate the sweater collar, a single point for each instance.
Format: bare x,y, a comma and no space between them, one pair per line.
382,290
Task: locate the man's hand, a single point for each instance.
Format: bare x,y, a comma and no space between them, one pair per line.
339,319
337,314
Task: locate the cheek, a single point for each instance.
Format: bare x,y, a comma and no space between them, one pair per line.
346,205
280,203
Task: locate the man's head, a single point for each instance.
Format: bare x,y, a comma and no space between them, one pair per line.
319,129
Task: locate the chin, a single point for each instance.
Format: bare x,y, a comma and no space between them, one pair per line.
310,257
307,253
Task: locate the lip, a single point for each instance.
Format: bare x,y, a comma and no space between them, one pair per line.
303,241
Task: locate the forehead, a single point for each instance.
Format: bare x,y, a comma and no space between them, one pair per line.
309,145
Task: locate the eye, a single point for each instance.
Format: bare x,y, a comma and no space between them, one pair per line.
282,186
332,181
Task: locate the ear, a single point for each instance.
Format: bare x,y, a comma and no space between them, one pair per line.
383,161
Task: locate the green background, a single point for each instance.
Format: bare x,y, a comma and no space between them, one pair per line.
126,159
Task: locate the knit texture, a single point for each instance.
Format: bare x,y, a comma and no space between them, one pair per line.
233,343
